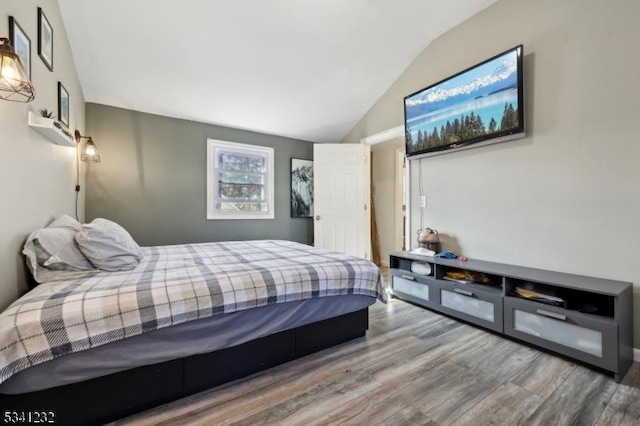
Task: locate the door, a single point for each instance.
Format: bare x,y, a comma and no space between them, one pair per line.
342,220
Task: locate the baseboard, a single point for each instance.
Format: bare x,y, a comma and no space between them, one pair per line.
386,263
636,354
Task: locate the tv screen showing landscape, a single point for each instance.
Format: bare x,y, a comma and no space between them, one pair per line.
482,103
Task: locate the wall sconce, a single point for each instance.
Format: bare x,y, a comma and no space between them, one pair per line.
90,152
14,80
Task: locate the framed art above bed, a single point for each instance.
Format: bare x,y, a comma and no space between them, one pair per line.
63,104
45,39
21,44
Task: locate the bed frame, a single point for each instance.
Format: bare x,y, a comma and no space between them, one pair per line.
108,398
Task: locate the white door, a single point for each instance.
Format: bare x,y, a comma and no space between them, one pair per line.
342,220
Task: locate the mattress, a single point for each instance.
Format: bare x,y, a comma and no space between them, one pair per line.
194,337
172,285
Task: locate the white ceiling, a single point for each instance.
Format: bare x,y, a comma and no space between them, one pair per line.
306,69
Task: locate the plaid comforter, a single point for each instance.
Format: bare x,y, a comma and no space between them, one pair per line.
172,285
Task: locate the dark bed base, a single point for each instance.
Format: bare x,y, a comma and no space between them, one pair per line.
108,398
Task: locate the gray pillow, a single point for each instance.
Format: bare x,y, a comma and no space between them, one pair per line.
54,249
109,246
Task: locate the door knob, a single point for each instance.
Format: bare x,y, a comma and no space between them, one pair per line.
318,217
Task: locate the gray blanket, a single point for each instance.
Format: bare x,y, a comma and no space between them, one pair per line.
172,285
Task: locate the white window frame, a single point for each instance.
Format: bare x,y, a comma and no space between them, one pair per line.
213,146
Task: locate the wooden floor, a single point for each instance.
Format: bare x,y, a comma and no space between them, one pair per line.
415,367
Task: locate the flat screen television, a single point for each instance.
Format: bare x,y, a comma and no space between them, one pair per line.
480,105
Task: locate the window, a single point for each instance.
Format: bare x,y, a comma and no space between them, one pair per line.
239,181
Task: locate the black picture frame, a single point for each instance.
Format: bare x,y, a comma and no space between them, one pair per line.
21,44
301,188
45,39
63,104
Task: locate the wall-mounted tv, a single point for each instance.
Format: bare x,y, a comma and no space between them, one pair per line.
480,105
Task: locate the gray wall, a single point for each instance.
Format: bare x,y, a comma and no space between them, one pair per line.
567,197
152,179
37,177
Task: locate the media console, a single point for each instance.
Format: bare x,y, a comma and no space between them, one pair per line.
585,318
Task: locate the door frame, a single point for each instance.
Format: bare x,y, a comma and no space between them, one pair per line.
386,136
400,199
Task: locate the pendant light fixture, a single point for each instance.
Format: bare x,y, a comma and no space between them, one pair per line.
15,84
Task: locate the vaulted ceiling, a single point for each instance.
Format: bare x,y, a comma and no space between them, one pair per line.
306,69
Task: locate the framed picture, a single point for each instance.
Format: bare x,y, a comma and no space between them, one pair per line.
20,43
45,39
63,105
301,188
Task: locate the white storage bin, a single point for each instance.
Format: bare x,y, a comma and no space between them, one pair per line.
411,288
468,305
563,333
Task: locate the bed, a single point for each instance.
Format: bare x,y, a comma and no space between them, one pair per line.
96,345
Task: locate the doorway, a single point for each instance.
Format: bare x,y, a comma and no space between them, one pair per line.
389,177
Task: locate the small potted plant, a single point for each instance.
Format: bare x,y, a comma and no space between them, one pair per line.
46,118
45,113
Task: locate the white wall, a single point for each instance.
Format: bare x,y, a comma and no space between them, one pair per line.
37,177
567,197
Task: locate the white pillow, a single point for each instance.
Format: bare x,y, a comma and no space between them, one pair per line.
66,221
54,249
109,246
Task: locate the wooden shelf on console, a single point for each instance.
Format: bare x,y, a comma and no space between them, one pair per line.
46,127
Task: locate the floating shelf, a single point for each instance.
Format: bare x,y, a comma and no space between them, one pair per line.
46,128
